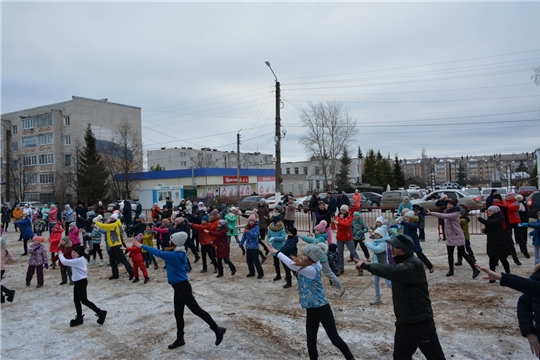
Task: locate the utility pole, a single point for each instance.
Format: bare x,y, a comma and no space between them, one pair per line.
277,137
238,165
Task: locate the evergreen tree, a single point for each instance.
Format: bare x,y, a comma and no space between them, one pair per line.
399,176
522,167
380,175
342,178
369,170
157,168
534,175
360,155
92,176
461,176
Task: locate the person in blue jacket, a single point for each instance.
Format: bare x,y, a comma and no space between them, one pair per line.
26,231
379,247
405,204
290,249
177,267
276,238
410,227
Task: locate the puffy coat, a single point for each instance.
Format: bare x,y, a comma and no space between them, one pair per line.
290,211
74,236
56,235
26,228
113,235
411,229
321,215
222,243
528,310
379,248
251,237
277,232
264,213
135,254
359,229
6,215
496,241
38,255
17,214
452,229
204,238
344,228
53,215
231,219
291,246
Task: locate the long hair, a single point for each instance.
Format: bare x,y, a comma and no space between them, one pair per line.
302,264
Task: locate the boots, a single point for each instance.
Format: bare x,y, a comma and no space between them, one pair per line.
376,301
77,321
360,272
220,331
93,262
146,279
287,285
10,295
220,275
101,317
197,257
101,262
475,273
178,342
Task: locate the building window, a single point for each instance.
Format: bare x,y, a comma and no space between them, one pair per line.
67,140
29,141
31,197
287,171
14,147
45,139
317,184
46,178
316,170
44,120
66,120
183,163
69,177
300,188
46,159
29,123
182,154
305,170
296,171
67,160
30,179
30,160
14,129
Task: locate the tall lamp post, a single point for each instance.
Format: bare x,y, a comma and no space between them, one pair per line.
277,137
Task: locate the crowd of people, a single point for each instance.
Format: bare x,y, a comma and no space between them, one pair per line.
391,248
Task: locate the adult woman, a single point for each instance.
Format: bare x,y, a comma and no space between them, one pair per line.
26,231
343,223
290,213
17,215
496,245
264,213
6,216
405,204
454,236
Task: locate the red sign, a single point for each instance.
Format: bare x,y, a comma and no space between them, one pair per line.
265,178
234,179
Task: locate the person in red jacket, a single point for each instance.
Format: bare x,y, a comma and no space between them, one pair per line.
135,253
343,223
206,240
507,226
222,247
515,219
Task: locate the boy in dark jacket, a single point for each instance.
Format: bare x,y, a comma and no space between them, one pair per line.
290,249
528,312
333,258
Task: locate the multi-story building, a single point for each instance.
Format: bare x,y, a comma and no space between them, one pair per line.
180,158
38,144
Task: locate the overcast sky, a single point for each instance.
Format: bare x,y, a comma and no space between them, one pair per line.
454,78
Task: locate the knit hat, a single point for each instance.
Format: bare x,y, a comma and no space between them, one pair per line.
381,231
223,223
511,194
332,247
262,200
255,211
379,219
356,213
97,218
139,237
276,219
404,211
278,208
344,207
252,217
79,249
444,196
519,197
321,227
40,239
214,213
453,202
233,209
494,209
115,216
292,230
409,214
403,242
179,239
205,218
315,251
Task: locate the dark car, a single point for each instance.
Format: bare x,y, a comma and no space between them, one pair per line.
533,203
392,199
249,203
364,202
526,190
373,197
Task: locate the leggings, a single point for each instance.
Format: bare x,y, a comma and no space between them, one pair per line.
362,246
262,233
25,245
323,315
226,261
461,252
468,250
5,226
494,261
183,296
210,251
510,244
96,249
79,297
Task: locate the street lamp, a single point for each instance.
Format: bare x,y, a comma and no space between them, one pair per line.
277,137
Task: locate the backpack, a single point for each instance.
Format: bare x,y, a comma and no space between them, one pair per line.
333,262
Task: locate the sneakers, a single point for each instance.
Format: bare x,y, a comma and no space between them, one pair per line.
376,301
287,285
146,279
219,335
101,317
101,262
77,321
342,291
93,262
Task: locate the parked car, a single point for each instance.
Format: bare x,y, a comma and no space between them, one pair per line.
364,202
250,202
487,191
373,197
271,201
392,199
33,204
466,201
474,191
533,203
121,203
526,190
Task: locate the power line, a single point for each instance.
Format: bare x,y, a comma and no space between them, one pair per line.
431,101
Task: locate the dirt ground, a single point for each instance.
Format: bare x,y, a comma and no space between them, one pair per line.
474,319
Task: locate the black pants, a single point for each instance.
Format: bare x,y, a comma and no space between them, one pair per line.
183,296
423,335
211,252
191,246
461,252
117,256
79,297
226,261
494,261
424,259
262,233
323,315
277,264
5,290
96,249
25,245
468,250
520,233
510,244
5,226
64,272
252,260
363,246
289,224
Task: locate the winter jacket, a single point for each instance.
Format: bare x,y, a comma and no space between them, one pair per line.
6,215
113,236
504,211
452,229
343,200
379,248
411,229
344,228
74,236
17,214
290,211
535,233
82,211
53,215
464,223
277,235
135,254
67,214
6,257
513,212
521,284
95,235
402,206
409,288
359,228
164,235
332,206
528,309
290,248
496,242
56,235
264,214
222,243
38,255
176,262
321,215
204,238
26,228
232,219
319,238
251,237
66,250
313,203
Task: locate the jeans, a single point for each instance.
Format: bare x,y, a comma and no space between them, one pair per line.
536,254
376,280
183,296
422,335
340,247
80,297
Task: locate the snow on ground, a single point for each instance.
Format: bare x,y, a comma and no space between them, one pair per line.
474,319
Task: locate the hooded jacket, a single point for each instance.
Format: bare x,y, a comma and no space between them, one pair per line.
277,232
410,229
26,228
222,243
379,248
452,228
496,241
113,235
231,219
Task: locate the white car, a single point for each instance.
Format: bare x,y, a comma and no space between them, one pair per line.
271,201
121,203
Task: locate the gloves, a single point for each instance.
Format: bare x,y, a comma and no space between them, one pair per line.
523,224
271,239
46,266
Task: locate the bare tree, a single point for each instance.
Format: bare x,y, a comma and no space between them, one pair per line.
536,76
23,175
202,161
330,128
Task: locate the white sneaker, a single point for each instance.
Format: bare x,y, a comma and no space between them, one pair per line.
376,301
342,291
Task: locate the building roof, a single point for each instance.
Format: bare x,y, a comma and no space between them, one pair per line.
173,174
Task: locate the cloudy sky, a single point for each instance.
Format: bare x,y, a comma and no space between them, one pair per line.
454,78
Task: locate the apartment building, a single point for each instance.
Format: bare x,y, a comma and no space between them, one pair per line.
38,144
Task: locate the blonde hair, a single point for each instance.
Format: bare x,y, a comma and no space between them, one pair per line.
302,264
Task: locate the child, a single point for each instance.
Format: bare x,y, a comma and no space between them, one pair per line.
136,256
39,226
232,218
38,258
320,237
5,258
79,263
359,229
379,248
276,238
290,249
65,248
333,258
222,247
421,213
464,223
183,294
148,240
410,226
206,240
528,313
95,238
73,233
313,298
251,239
54,240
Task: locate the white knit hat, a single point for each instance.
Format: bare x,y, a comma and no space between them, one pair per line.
381,231
344,207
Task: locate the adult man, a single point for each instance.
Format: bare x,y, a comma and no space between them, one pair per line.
342,199
138,209
313,207
332,204
415,327
489,199
114,240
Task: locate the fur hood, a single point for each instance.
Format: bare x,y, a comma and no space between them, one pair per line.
276,226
